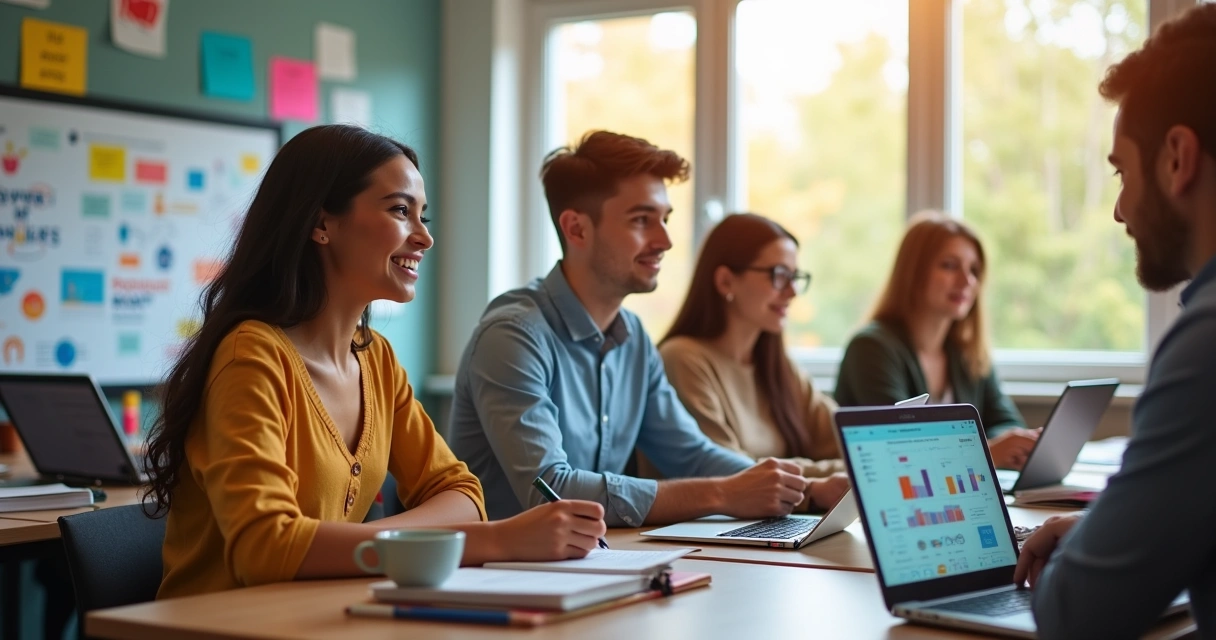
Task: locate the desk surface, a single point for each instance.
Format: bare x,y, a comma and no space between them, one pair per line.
31,526
846,550
745,601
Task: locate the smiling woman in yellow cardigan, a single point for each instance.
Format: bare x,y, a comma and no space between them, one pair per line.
278,427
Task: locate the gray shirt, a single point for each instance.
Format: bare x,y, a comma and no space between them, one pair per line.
1152,533
541,391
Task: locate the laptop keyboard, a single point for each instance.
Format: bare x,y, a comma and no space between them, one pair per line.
994,604
773,528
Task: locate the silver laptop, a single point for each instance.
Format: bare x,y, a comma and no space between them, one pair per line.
789,532
1071,424
67,429
935,519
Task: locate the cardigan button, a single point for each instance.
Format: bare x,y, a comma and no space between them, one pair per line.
350,501
356,469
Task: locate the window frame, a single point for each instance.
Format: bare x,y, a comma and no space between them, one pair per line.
934,172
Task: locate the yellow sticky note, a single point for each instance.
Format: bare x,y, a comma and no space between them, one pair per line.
54,56
107,163
250,163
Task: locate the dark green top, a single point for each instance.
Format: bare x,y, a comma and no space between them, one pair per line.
880,368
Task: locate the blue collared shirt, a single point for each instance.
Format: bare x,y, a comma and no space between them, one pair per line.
1150,534
541,391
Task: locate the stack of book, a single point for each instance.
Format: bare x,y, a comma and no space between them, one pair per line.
530,594
43,496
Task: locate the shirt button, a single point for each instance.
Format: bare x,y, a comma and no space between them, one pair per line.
629,521
350,501
356,469
605,418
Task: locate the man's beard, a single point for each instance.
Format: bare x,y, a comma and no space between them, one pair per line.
1161,242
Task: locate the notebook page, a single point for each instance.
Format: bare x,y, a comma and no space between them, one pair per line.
609,561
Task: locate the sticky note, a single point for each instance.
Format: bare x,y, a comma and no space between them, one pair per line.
150,171
334,49
54,56
41,138
293,89
107,163
194,179
95,205
227,63
250,163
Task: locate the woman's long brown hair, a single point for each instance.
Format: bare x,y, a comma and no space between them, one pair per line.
928,232
735,243
273,274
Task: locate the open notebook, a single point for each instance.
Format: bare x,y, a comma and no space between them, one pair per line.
556,586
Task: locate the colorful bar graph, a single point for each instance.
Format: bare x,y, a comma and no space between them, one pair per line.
910,491
949,513
971,474
950,485
959,480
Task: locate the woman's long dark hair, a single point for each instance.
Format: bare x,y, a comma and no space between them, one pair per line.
273,273
734,243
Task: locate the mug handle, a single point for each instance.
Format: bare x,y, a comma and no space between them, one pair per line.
360,549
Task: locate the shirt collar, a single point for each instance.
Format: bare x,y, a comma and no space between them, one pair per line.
574,315
1205,275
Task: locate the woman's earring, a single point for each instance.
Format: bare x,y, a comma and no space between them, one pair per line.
730,297
324,239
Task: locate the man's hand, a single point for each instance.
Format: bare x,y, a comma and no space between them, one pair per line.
1010,449
1039,547
768,489
826,492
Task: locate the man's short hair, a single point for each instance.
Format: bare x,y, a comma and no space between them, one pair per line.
1169,81
582,177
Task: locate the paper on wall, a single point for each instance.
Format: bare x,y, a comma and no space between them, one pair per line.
138,26
349,106
334,52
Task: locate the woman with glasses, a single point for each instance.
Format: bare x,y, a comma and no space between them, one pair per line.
726,358
926,335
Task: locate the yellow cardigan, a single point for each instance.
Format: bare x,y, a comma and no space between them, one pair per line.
265,464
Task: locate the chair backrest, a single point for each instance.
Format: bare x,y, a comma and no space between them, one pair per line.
114,556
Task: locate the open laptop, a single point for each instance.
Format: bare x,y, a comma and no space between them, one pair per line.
1071,424
67,429
935,519
788,532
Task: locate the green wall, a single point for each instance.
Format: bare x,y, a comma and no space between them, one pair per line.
398,58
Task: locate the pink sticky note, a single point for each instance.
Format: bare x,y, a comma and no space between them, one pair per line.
293,89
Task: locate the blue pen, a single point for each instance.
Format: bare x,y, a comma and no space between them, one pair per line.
438,614
550,495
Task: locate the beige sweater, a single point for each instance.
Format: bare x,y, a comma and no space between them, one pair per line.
723,397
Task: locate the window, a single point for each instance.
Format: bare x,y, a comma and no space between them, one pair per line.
823,119
800,110
1036,184
634,75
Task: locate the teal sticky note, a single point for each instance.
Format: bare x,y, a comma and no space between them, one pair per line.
95,205
44,138
227,62
134,202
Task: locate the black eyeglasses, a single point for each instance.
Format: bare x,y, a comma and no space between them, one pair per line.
782,277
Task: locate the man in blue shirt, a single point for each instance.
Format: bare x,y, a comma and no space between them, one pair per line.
559,381
1151,533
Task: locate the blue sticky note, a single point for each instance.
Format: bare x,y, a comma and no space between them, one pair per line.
227,66
194,178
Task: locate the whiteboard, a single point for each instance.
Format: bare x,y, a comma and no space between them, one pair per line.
112,219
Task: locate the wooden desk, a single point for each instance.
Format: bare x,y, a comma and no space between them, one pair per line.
745,601
18,527
846,550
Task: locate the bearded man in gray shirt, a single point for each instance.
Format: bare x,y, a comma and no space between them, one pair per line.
1150,535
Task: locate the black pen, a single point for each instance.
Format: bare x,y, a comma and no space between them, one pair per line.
550,495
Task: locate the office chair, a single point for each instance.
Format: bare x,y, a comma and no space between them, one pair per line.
114,556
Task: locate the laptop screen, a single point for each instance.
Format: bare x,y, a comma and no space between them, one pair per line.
932,507
66,428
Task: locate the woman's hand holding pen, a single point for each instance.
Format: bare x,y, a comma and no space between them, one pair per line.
554,531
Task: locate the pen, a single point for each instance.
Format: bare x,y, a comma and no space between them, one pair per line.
438,614
550,495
